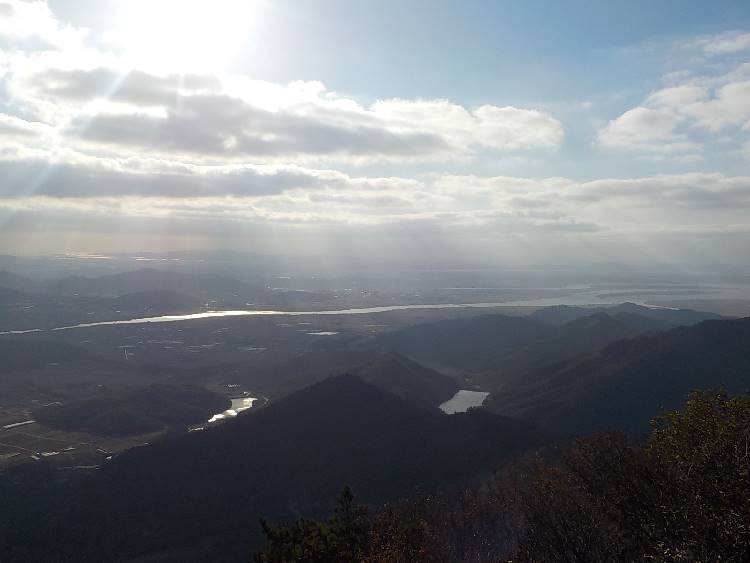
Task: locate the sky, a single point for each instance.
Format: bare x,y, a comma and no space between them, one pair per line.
505,132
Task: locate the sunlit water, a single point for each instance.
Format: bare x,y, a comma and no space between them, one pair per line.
586,296
238,405
463,401
253,313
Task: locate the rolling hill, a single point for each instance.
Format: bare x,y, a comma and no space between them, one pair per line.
137,411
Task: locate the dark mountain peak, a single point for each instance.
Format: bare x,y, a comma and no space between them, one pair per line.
340,395
408,379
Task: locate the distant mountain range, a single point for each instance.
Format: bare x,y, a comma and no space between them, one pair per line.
27,304
664,317
137,281
463,344
493,343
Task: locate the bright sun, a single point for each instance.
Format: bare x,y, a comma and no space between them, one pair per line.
182,35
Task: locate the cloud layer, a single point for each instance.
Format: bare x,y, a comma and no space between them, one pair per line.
200,117
89,144
695,109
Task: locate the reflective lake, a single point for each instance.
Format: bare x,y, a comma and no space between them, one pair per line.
238,405
463,401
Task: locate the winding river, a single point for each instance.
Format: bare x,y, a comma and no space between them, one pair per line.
253,313
585,297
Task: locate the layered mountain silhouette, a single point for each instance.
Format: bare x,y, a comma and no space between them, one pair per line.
389,371
143,280
495,343
464,343
32,304
624,385
203,492
666,318
407,379
580,336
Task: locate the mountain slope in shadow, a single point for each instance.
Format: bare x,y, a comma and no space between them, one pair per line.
143,410
630,381
206,490
388,370
580,336
464,344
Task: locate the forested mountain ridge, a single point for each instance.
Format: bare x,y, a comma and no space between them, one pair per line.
625,384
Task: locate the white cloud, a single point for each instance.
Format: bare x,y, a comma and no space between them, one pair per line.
729,107
647,129
137,186
723,43
88,143
103,107
677,96
11,126
488,126
30,25
680,118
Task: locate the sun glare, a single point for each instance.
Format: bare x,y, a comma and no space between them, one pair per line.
182,35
